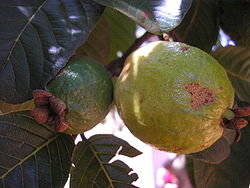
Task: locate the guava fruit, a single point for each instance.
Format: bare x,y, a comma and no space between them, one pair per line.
173,96
87,90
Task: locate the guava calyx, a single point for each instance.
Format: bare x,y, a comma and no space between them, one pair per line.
49,109
41,97
80,96
40,114
233,119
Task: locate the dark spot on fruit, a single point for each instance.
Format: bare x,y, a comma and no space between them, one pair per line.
200,96
177,149
185,48
141,101
146,15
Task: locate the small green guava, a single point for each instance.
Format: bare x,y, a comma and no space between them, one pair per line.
173,96
87,90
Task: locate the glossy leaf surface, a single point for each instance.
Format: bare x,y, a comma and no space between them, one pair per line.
36,40
93,166
31,154
156,16
200,26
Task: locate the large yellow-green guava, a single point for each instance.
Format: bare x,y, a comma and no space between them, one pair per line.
173,96
87,90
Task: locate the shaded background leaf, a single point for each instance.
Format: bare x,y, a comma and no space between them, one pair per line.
234,20
233,171
200,26
31,154
92,165
156,16
36,40
219,151
236,61
114,32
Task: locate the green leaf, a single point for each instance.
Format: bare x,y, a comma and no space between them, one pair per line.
232,172
92,165
200,26
156,16
190,170
6,108
36,40
234,20
114,32
236,61
219,151
31,154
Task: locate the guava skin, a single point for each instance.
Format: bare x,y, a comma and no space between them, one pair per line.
87,90
152,100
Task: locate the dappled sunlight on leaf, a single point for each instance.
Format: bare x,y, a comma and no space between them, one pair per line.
39,38
32,155
155,16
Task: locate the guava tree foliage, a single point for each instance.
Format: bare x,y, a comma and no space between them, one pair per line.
37,38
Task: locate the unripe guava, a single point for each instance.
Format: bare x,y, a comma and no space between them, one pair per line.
173,96
87,90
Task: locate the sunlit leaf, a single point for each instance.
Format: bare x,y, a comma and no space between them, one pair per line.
114,32
156,16
92,165
236,61
36,40
31,154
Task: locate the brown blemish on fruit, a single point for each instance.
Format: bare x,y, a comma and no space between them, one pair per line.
185,48
141,101
202,146
200,96
146,15
176,149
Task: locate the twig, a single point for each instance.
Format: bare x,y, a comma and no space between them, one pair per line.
83,137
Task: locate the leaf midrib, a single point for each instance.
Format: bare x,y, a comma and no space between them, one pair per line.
22,31
237,76
31,154
101,165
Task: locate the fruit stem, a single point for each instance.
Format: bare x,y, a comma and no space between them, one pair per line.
228,114
83,137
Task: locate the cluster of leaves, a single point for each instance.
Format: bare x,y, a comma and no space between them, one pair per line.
37,38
